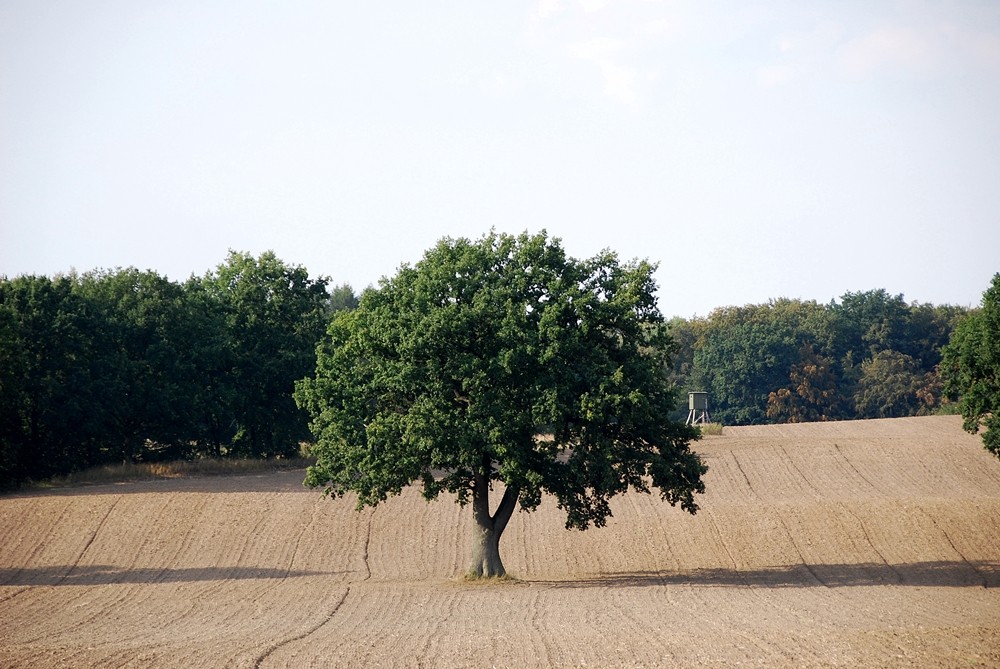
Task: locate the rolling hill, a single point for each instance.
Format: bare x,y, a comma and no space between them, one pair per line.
870,543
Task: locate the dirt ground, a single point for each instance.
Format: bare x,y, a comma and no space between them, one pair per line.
856,544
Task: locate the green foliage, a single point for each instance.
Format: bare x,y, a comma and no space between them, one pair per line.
143,368
742,355
47,398
790,361
971,368
342,298
684,336
869,322
888,386
813,394
930,328
502,360
273,316
210,359
125,366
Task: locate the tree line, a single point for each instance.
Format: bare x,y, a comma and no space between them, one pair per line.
124,365
504,360
868,355
128,366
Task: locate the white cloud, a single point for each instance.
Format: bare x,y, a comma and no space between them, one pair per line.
547,8
799,53
772,76
619,80
982,47
657,28
892,47
911,39
544,11
597,49
590,6
609,37
500,86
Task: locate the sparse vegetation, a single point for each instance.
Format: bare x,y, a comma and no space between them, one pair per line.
471,578
710,429
152,471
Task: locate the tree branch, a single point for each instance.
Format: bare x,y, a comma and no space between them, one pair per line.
507,505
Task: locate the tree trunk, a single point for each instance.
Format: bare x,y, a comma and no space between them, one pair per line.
486,560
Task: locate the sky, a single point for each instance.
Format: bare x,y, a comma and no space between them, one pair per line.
755,150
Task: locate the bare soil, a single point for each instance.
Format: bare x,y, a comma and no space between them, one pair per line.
855,544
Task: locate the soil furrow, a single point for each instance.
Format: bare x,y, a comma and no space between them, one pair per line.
259,661
817,545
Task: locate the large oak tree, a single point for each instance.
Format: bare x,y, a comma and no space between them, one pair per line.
502,365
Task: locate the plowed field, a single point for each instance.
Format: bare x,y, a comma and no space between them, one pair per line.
872,544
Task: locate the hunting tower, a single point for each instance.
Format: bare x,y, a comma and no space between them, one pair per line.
697,409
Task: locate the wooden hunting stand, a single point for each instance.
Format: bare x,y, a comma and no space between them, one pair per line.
697,409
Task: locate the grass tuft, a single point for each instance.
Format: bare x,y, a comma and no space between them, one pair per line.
471,579
710,429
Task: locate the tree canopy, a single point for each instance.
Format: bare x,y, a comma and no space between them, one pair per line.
972,368
502,364
46,379
871,355
126,366
273,316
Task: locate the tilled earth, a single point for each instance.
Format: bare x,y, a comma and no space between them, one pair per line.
854,544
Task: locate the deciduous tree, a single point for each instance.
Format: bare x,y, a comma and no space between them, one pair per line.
502,365
971,368
274,316
144,369
48,403
743,355
888,386
812,395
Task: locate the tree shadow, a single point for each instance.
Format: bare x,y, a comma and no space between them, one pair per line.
58,575
954,574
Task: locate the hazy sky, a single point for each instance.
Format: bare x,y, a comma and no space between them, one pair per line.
755,149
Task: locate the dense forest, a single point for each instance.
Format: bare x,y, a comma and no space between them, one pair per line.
868,355
128,366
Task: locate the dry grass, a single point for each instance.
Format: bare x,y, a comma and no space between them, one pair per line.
710,429
151,471
471,579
